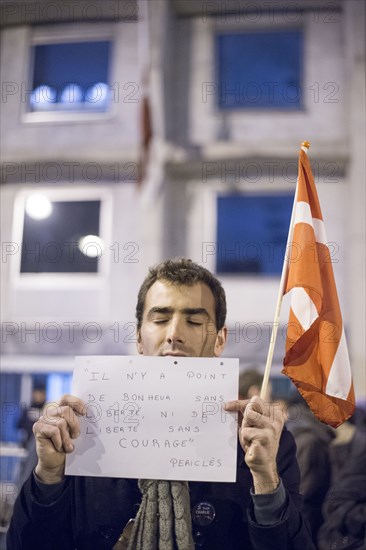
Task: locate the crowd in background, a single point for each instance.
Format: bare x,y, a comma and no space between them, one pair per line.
333,469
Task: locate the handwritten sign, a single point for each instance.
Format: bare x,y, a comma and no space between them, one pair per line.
156,418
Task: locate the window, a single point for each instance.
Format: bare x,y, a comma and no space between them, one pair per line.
70,73
9,398
252,233
259,70
72,76
60,236
58,384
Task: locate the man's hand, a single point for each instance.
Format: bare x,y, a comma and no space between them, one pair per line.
54,432
259,436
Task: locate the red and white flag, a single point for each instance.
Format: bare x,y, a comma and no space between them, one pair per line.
316,357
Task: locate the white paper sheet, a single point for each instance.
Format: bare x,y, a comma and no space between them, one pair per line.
156,418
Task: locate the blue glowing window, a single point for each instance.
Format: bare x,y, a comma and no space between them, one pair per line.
72,76
259,70
58,384
252,233
10,395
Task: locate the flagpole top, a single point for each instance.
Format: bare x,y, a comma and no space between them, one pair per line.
305,144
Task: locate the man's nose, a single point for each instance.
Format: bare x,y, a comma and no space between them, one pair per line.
175,332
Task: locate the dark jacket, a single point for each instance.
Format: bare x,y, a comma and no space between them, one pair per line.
313,456
90,513
344,510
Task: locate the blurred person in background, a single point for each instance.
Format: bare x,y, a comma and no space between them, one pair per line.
344,509
250,383
29,416
313,439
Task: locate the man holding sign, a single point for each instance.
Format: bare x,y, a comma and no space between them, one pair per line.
181,312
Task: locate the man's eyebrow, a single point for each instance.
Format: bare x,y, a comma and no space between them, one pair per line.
169,310
157,309
195,311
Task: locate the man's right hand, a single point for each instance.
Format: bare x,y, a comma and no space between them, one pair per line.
54,432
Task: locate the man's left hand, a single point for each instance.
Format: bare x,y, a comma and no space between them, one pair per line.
259,436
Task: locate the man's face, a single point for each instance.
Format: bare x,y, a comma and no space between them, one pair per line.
180,321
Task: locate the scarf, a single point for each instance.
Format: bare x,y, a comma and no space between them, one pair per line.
163,521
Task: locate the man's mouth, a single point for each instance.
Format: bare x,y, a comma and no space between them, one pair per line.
174,354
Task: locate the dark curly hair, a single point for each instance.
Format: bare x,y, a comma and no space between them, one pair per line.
183,271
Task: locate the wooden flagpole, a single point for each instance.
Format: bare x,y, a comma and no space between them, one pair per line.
304,146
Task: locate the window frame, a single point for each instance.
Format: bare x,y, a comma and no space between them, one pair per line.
62,280
278,28
258,195
61,34
202,228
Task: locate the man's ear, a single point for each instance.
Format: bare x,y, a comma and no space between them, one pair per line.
139,343
220,342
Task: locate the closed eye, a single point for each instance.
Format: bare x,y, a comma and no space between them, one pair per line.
197,323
